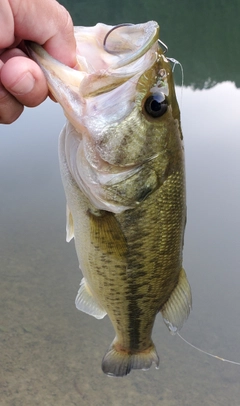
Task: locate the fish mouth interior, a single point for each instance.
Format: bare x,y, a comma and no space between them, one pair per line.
104,46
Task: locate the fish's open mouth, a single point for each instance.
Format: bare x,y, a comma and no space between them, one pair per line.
124,40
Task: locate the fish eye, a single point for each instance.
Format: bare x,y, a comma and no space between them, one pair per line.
156,105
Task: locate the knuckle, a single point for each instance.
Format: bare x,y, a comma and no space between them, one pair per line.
6,118
65,21
10,108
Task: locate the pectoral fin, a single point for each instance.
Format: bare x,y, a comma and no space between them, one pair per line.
178,306
69,225
86,302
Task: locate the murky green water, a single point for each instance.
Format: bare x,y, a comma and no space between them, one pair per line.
50,354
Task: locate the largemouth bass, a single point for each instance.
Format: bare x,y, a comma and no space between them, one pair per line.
122,166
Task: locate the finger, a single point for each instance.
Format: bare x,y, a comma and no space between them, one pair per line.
11,53
6,24
10,108
23,78
47,23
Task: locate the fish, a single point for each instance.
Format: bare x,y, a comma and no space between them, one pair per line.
121,160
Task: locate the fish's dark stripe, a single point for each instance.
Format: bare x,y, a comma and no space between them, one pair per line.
134,323
135,313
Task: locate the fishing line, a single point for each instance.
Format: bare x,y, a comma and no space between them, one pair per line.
175,62
208,353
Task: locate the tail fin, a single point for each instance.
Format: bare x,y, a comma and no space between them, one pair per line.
120,362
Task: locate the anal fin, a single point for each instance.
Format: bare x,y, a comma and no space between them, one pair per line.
86,302
176,310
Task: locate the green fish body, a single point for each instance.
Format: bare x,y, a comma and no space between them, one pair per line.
122,165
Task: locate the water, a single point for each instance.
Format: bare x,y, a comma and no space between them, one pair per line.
50,353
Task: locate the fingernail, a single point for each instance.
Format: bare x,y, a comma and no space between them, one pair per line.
24,85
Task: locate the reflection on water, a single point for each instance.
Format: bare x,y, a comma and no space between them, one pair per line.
50,354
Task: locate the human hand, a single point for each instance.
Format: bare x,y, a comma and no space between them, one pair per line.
21,80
